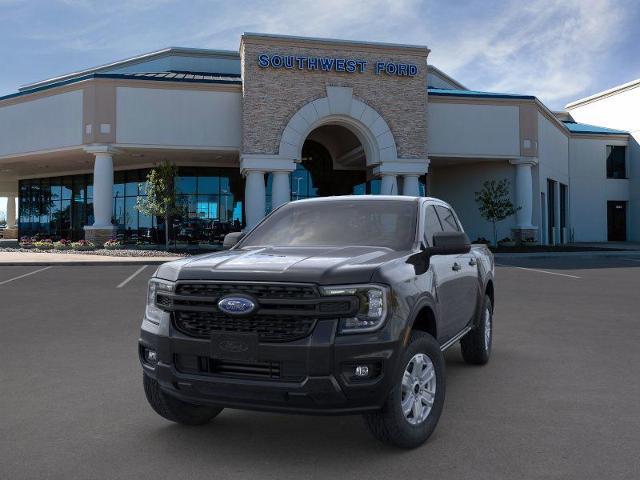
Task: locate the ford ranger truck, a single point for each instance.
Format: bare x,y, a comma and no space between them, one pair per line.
338,305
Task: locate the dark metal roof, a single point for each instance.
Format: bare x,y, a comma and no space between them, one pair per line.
187,77
445,92
175,75
585,128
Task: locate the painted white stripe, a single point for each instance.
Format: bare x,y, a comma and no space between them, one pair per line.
539,271
132,276
632,259
25,275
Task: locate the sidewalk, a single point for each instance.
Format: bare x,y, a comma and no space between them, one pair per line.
36,259
635,254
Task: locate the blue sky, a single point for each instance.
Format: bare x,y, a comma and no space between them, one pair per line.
557,50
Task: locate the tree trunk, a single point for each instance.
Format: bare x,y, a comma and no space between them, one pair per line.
495,235
166,232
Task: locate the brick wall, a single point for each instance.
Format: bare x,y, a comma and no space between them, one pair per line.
271,96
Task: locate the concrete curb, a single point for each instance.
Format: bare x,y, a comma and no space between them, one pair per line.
617,253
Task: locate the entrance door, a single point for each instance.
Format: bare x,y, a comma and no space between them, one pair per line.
617,221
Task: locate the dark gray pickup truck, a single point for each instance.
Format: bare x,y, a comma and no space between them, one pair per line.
337,305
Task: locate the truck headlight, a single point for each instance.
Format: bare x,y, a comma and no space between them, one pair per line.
153,312
373,302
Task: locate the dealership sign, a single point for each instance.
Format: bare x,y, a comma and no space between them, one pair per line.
334,64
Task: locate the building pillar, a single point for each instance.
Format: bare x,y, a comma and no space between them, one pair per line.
102,228
11,232
389,185
253,166
411,185
524,229
280,189
409,170
11,212
254,197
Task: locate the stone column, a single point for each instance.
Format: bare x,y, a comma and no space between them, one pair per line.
11,232
254,197
253,166
11,212
524,198
411,185
410,171
102,229
280,189
389,185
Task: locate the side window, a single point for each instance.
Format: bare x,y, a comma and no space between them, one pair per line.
431,224
449,223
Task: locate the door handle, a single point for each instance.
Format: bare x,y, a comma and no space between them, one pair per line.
472,262
456,266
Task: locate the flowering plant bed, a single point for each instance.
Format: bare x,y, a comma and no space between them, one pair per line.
26,242
62,245
43,244
83,245
113,244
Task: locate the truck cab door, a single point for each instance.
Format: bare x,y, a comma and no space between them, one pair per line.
460,272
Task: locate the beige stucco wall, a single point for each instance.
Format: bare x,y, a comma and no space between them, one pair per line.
272,96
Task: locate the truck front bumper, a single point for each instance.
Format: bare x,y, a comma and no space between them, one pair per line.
314,375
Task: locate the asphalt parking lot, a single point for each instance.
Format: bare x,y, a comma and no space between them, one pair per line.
559,398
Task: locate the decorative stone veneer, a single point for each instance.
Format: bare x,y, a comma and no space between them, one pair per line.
271,96
99,235
9,233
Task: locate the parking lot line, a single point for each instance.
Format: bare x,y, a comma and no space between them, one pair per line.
132,276
25,275
539,271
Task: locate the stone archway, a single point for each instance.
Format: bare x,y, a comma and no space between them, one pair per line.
339,107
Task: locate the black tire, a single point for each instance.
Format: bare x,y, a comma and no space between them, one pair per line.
174,409
389,424
475,350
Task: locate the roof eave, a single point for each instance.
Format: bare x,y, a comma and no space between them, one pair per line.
130,61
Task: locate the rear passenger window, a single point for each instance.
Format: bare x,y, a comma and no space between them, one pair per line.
449,222
431,224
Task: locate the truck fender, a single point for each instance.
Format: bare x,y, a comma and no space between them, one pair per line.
428,301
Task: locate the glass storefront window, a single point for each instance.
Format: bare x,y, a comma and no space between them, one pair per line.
60,207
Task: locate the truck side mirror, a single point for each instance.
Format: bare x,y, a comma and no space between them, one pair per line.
230,239
450,243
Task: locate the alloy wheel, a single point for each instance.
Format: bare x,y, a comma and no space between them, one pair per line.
418,389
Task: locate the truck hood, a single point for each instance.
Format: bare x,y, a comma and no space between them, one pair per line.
321,265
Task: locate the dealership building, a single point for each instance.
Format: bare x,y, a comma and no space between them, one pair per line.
287,118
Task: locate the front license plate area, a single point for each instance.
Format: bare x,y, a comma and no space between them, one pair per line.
235,346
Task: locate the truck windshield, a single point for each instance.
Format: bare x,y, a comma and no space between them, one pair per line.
380,223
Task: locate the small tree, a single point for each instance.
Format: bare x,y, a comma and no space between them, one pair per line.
160,199
494,203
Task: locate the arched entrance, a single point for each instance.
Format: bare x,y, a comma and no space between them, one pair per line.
332,162
331,146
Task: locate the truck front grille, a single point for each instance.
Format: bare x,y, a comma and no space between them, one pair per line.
285,312
270,328
257,290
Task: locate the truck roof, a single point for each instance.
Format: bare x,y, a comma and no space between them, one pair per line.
362,197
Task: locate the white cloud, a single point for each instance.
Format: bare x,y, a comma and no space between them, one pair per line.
546,48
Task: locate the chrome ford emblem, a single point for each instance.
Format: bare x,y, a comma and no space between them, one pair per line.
236,305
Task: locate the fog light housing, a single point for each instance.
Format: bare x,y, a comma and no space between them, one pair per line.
150,357
355,373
